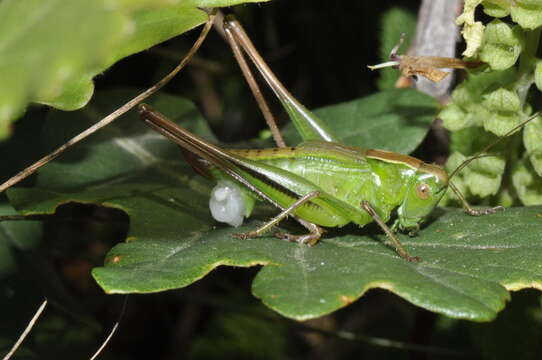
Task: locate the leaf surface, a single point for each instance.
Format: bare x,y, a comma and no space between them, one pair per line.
20,235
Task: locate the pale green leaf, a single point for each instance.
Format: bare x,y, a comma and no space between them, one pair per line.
15,235
497,8
502,45
527,13
466,109
527,183
504,107
482,177
453,117
538,74
532,136
472,30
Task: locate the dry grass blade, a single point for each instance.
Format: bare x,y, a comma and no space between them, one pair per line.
112,332
26,331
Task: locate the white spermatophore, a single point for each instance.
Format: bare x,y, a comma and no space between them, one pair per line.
227,204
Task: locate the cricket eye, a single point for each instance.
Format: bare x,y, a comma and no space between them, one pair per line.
423,191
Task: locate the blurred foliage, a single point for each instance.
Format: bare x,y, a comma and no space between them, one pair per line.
49,53
496,98
319,49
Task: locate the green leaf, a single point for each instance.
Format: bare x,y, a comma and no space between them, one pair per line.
394,22
467,108
502,45
455,160
481,178
454,118
527,183
21,235
469,263
505,111
527,13
497,8
395,120
234,336
516,331
472,140
134,148
538,74
473,31
51,50
531,139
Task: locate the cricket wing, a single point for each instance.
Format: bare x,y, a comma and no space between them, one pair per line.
277,186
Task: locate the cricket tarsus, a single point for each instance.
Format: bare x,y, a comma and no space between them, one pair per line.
481,212
309,239
469,209
399,248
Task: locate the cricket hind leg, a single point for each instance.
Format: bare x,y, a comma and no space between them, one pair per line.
250,79
309,126
399,248
315,232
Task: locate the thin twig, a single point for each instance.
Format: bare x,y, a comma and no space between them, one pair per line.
114,115
25,217
113,330
26,331
381,342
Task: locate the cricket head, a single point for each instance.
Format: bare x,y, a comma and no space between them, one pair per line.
425,189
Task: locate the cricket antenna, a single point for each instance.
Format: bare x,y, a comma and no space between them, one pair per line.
395,60
480,154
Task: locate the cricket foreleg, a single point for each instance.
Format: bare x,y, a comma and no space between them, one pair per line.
315,231
399,248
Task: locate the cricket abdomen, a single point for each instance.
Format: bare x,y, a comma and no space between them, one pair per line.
343,172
